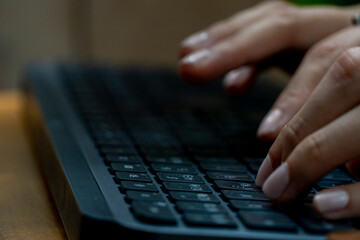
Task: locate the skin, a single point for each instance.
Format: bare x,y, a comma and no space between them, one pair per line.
314,122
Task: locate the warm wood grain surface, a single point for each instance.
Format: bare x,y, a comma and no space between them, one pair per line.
26,208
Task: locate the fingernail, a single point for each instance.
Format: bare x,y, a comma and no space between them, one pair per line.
196,39
264,171
198,57
331,201
272,122
237,76
275,185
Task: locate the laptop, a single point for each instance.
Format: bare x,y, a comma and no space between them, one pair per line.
132,152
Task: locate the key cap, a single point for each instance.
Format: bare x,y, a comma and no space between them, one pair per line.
187,187
129,176
312,222
217,160
323,184
267,220
224,167
143,196
176,168
127,167
193,197
141,186
118,150
232,185
243,177
252,205
179,177
169,159
158,212
109,158
200,207
214,220
338,174
244,195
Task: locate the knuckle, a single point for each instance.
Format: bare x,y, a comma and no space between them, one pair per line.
313,147
347,65
291,135
323,50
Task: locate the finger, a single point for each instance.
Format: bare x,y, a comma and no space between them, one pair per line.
338,203
310,72
239,80
339,89
314,157
228,27
262,39
354,167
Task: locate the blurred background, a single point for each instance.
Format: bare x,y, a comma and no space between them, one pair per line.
106,31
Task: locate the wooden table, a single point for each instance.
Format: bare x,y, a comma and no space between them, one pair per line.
26,208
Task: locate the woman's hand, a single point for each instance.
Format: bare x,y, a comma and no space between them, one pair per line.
320,107
236,46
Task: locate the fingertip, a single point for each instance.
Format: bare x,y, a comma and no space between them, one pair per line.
193,43
240,80
194,68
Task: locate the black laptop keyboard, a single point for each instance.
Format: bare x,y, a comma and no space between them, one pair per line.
189,151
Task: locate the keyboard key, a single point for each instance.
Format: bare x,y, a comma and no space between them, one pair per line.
127,167
186,187
223,167
176,168
232,185
210,159
243,177
129,176
323,184
312,222
178,177
143,196
267,220
118,150
140,186
109,158
338,174
158,212
193,197
252,205
200,207
214,220
169,159
244,195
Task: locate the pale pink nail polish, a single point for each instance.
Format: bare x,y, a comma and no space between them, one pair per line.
237,75
331,201
272,122
198,57
196,39
277,182
264,171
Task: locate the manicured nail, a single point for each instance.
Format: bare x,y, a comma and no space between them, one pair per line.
236,76
264,171
272,122
198,57
277,182
196,39
331,201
